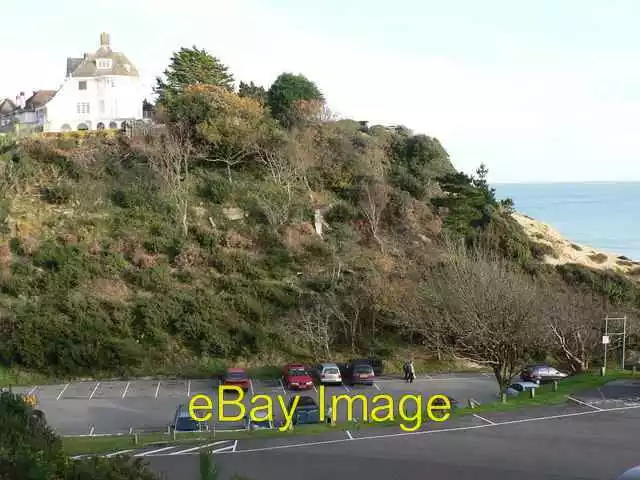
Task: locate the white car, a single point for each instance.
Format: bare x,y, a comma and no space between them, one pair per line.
328,373
517,387
631,474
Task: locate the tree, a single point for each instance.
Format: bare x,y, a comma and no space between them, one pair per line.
169,158
191,66
574,322
253,91
29,449
285,92
231,129
374,197
488,311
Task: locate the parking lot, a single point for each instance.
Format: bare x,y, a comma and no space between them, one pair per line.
109,407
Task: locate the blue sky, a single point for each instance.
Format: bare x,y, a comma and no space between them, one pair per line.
539,91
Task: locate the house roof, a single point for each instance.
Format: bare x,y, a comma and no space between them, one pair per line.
39,98
7,106
88,66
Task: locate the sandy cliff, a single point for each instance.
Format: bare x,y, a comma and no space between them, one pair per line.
565,251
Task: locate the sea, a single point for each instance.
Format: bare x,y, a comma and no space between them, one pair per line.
604,216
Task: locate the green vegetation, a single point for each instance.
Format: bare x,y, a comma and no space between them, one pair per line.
30,449
194,248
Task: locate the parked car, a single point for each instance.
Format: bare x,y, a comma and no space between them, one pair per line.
182,421
307,411
631,474
376,364
296,377
237,377
261,423
518,387
327,373
541,373
358,373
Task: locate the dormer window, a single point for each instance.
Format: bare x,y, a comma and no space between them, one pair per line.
127,67
104,63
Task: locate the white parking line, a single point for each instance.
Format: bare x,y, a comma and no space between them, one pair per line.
126,389
430,432
223,449
583,403
163,449
199,447
91,430
484,419
349,434
376,385
235,445
251,385
62,391
282,385
32,390
314,388
346,388
486,374
94,390
118,453
157,388
189,388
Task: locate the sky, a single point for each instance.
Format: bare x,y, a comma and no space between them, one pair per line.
544,91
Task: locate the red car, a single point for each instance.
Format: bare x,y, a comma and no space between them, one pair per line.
296,377
237,377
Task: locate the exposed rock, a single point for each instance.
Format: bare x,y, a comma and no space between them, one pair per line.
233,213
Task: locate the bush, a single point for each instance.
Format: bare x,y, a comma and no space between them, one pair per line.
56,194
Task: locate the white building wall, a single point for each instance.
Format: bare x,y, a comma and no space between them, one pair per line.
110,99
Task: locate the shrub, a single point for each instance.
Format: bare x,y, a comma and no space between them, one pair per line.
56,194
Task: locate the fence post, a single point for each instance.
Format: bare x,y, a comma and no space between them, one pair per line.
555,385
633,370
532,393
503,397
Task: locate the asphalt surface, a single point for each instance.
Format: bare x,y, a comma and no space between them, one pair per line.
573,441
110,407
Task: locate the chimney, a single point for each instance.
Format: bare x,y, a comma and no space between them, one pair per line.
104,40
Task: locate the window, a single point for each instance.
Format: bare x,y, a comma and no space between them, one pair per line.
82,85
65,127
83,127
113,125
82,108
104,63
100,126
113,82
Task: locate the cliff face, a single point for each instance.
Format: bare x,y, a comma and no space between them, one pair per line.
562,251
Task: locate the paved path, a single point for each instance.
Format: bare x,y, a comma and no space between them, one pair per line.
573,441
148,405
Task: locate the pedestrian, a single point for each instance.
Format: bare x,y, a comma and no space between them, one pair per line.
412,372
405,368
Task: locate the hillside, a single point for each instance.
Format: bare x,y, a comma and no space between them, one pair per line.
241,233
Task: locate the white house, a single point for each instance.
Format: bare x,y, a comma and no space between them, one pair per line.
101,90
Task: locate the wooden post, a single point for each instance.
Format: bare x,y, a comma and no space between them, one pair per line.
555,385
503,397
532,393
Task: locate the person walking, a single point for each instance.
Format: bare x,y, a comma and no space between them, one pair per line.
412,372
405,368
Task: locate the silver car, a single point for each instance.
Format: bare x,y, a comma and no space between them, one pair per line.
328,373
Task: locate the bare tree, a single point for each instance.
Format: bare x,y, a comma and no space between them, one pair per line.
574,321
374,197
489,311
169,158
314,323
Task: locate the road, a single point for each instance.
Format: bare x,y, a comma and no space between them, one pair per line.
109,407
574,441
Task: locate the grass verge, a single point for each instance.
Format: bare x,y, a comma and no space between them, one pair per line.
545,395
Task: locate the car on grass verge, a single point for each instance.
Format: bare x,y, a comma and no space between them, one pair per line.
182,421
296,377
327,373
236,377
307,411
358,373
518,387
631,474
541,373
262,421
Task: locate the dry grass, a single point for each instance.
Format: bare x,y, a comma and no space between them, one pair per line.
233,239
109,289
6,256
598,257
